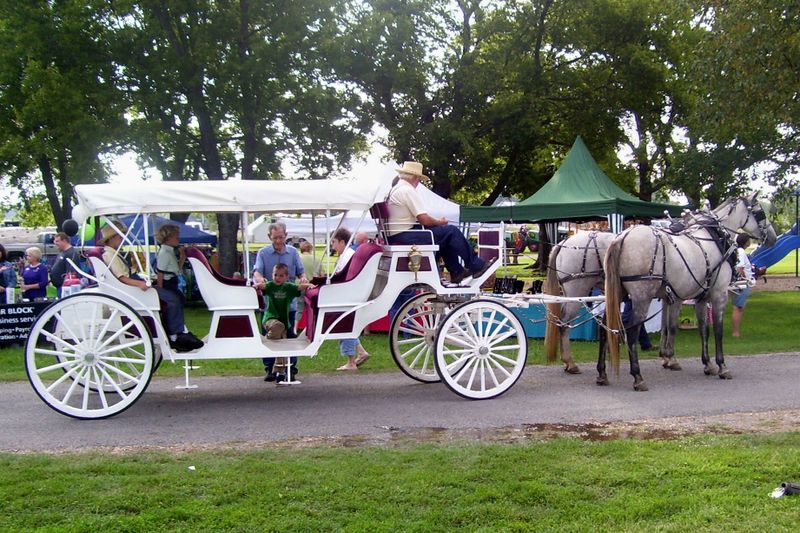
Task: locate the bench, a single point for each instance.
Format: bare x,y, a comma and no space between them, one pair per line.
350,286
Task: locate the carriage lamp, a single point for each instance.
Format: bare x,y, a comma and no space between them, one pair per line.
414,261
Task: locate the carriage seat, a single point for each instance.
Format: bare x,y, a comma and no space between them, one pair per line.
366,254
196,253
135,297
380,214
219,295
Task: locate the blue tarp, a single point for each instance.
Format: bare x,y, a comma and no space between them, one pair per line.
189,235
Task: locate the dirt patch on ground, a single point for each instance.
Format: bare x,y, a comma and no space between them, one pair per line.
396,437
776,283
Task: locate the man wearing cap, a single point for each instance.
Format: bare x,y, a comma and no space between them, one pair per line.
180,338
407,212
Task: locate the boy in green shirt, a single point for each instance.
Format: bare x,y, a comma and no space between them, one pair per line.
280,294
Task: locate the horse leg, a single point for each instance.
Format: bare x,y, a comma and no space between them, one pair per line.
669,329
570,312
566,353
632,335
700,311
602,377
717,314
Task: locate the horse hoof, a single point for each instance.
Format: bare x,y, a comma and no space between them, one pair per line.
602,381
572,369
725,375
710,371
672,365
640,387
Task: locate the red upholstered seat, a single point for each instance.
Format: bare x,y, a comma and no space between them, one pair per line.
196,253
353,268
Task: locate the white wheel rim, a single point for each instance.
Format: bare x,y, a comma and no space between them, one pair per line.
99,358
481,350
413,338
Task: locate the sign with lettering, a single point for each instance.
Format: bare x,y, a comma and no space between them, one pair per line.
16,320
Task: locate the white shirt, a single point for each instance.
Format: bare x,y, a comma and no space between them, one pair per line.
404,207
344,259
742,261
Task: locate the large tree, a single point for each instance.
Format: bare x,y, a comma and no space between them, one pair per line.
59,105
235,88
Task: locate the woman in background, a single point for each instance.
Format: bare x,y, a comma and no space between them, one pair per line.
34,275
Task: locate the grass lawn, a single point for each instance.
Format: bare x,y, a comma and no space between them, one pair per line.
700,483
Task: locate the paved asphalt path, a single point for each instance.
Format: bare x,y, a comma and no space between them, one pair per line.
235,410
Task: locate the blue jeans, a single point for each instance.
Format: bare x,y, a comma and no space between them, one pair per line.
453,246
173,314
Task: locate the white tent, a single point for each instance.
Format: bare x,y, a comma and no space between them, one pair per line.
301,226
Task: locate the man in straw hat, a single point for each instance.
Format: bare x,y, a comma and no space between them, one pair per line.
180,338
407,212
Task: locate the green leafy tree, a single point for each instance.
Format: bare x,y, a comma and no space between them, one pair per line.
222,89
36,212
59,107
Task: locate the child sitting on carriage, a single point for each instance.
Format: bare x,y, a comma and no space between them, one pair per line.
170,258
280,293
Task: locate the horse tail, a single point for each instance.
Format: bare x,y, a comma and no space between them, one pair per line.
552,332
613,290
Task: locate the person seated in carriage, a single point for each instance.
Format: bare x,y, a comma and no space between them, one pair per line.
180,338
407,212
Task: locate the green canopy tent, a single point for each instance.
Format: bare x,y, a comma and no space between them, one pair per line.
578,191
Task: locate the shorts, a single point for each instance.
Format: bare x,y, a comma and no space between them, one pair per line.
740,298
275,329
347,347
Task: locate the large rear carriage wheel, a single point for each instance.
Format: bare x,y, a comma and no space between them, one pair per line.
481,349
413,333
89,356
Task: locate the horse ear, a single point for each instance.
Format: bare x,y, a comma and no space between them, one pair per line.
753,198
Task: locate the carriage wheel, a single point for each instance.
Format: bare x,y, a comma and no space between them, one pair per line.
481,349
412,336
89,356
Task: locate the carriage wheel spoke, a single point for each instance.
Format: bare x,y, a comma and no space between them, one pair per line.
488,329
122,346
63,364
119,372
67,375
115,336
113,383
100,392
78,376
500,367
408,330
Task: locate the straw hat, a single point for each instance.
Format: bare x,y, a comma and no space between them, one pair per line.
107,231
413,168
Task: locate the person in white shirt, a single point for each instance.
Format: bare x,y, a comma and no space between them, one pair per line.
407,212
744,270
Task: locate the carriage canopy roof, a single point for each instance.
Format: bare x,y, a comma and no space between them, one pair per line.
228,196
578,190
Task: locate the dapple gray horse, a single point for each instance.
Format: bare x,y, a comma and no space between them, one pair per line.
575,268
646,262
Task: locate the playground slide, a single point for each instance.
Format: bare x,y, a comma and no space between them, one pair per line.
787,242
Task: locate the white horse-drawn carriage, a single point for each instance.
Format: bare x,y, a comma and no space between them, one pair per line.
92,354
